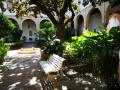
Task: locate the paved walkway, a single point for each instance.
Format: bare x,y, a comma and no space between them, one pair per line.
29,45
23,72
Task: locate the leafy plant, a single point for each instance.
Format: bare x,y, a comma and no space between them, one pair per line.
54,46
6,26
47,39
77,50
3,50
45,33
106,50
16,33
99,51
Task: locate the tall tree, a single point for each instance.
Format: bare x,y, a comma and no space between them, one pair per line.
56,10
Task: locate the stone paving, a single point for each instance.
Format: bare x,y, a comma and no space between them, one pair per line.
23,72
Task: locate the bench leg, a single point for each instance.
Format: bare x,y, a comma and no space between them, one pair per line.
61,73
51,77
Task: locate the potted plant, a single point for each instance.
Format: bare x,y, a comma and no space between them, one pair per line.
52,46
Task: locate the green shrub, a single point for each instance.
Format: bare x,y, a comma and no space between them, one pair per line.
45,33
16,33
15,45
53,46
3,50
47,39
99,50
77,49
6,26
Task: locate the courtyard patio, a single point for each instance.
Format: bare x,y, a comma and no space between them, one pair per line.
23,72
59,45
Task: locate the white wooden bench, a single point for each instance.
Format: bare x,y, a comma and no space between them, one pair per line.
53,64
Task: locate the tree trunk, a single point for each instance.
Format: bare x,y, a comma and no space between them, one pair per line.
60,31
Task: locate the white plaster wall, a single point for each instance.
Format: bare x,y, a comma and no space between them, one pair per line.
85,12
103,9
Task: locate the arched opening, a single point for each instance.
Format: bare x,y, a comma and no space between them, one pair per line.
113,16
80,25
114,21
94,20
111,10
16,33
42,23
14,22
46,27
69,31
29,30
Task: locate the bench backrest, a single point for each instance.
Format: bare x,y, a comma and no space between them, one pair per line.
56,61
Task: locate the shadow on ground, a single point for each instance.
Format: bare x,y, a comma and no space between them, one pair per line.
27,74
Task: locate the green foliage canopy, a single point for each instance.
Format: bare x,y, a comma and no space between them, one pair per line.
6,26
94,2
